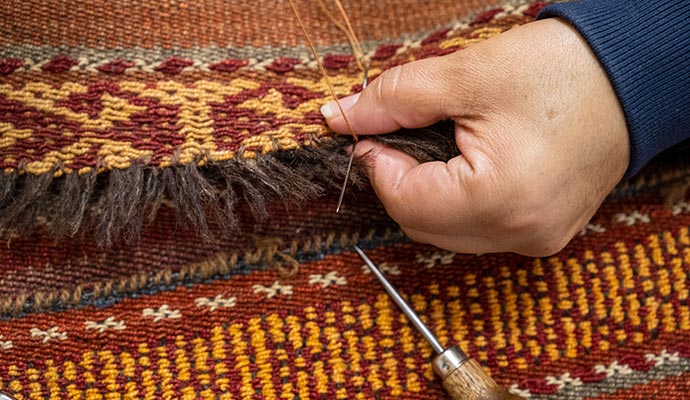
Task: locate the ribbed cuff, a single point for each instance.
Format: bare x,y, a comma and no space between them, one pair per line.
644,46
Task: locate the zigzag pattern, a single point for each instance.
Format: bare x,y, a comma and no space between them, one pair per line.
54,123
76,127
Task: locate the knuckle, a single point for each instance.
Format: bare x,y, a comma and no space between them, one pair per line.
533,227
390,84
541,237
517,215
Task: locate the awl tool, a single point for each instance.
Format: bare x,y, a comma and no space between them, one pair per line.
463,377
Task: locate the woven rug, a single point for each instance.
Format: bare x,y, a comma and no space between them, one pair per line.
167,190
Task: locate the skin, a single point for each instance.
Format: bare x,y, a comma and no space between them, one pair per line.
542,135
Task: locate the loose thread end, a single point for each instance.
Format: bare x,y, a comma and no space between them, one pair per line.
347,178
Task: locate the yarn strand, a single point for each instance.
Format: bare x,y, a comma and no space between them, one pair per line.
358,48
349,33
323,70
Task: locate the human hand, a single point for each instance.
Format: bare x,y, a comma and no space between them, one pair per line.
542,136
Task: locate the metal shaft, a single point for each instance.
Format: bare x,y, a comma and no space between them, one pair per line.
409,312
352,152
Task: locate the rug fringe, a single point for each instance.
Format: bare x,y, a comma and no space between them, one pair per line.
115,205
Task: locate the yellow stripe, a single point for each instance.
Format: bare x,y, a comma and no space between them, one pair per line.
512,312
370,355
616,310
35,388
181,360
496,319
668,317
218,353
438,315
545,307
127,365
456,314
562,294
352,338
275,328
652,316
384,323
314,344
408,341
633,315
239,347
110,372
684,321
338,366
200,354
581,293
680,277
51,376
365,316
69,372
147,375
164,373
655,248
296,339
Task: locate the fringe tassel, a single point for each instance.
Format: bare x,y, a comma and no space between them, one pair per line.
115,205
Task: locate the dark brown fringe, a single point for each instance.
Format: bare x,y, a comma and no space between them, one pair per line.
115,205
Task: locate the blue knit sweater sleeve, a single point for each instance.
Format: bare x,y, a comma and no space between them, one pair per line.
644,46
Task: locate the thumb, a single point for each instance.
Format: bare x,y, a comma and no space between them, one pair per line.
416,195
411,95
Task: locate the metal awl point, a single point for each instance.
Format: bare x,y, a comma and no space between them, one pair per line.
463,378
406,309
352,153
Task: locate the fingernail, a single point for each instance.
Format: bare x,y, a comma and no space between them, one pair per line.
331,110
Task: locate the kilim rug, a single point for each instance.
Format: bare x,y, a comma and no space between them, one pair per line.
167,188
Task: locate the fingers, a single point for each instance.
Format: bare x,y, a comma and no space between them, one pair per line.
415,195
413,95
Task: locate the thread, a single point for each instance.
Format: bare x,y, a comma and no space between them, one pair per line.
349,33
358,47
322,69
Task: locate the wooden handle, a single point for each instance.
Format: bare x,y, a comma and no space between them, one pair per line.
470,382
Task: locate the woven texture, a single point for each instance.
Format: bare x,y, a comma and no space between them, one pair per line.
78,108
111,99
149,114
606,318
